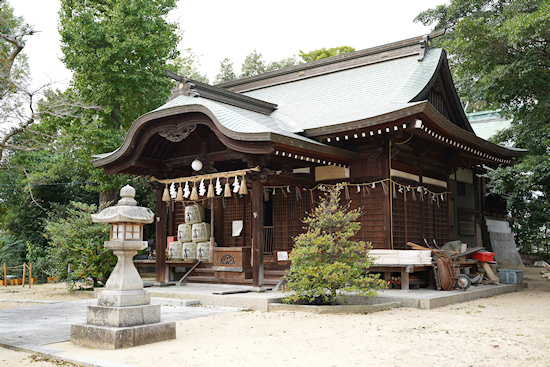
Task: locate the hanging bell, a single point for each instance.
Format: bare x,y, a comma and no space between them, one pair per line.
166,194
227,190
179,195
243,190
194,193
210,193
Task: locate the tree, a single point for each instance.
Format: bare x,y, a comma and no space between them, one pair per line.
77,246
253,64
13,34
281,64
499,54
118,51
326,262
323,53
188,66
226,73
13,70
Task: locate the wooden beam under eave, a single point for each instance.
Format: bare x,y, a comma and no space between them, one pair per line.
215,157
144,162
290,180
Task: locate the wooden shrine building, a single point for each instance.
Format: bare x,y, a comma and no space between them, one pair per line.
385,120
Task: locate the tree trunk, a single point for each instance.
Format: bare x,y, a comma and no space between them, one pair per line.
107,195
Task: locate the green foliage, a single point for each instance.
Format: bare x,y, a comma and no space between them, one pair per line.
226,73
188,66
77,245
326,262
13,63
31,186
323,53
12,250
498,52
254,64
118,51
42,264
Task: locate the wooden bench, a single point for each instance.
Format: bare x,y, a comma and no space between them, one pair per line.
170,266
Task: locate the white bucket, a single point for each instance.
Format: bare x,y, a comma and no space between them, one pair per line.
203,251
174,250
184,233
200,232
194,214
189,251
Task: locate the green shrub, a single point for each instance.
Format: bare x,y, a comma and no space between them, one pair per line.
326,263
12,250
77,246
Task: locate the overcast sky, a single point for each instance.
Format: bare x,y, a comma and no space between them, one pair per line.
215,29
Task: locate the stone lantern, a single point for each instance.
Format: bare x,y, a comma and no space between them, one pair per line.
123,316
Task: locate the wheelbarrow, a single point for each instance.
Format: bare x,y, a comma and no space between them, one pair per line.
447,275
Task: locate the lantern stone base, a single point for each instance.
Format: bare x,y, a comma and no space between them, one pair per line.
129,325
106,337
114,298
123,316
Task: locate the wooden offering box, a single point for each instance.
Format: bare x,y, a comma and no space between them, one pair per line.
232,262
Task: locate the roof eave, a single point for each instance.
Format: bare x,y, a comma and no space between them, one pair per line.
109,158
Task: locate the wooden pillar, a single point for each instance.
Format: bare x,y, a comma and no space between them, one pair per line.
257,207
160,236
387,209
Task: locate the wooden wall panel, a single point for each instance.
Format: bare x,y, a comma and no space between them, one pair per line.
428,229
289,209
374,167
414,222
400,219
372,220
407,215
442,221
236,208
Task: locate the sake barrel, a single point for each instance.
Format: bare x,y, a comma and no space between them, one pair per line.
174,250
203,251
200,232
189,250
184,233
194,214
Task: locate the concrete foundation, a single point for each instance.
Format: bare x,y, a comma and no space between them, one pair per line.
105,337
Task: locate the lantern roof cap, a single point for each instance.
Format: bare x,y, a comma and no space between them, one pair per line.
126,210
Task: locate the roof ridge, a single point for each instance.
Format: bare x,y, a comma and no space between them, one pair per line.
423,43
194,88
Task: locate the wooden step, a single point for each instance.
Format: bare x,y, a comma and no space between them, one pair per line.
213,280
274,273
203,271
201,279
